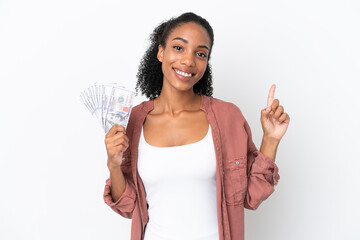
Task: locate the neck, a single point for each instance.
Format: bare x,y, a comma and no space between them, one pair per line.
174,102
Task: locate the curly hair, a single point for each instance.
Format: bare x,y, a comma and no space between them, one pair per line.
150,75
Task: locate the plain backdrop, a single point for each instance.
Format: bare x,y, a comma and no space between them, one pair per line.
52,151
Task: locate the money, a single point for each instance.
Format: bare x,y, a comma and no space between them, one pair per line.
110,103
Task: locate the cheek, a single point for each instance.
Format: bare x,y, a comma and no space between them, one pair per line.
203,67
169,54
170,58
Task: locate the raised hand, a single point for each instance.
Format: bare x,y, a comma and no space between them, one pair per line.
274,120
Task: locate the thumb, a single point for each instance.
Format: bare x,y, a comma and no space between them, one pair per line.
265,113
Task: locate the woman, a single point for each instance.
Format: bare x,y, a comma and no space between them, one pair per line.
186,165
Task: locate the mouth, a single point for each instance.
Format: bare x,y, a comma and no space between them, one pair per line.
183,75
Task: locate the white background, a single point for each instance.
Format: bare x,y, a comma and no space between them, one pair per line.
53,157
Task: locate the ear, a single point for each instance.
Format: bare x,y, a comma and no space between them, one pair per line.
160,54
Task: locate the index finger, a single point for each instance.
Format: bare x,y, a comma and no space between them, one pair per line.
271,95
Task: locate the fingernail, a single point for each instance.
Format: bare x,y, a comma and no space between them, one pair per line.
268,109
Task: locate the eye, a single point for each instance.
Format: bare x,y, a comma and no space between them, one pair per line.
177,48
203,55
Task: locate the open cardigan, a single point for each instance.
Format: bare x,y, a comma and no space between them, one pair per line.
244,176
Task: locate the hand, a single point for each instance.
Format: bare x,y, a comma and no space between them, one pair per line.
274,120
116,143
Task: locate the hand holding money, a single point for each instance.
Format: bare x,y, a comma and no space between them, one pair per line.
116,143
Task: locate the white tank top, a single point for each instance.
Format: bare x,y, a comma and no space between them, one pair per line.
180,185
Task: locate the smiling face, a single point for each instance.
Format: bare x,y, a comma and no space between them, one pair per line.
185,57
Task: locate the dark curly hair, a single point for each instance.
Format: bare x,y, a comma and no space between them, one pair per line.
150,75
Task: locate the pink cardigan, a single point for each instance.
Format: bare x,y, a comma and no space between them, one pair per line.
244,176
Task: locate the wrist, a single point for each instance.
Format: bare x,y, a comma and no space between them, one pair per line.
112,167
270,141
269,147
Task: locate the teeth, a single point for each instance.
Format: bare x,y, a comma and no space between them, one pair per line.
183,73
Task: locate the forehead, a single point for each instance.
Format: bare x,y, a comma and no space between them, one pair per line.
192,32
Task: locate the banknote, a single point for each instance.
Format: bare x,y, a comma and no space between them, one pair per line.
110,103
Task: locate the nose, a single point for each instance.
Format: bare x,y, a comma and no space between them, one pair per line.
188,59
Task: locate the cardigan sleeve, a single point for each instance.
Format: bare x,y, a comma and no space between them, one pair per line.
126,203
262,174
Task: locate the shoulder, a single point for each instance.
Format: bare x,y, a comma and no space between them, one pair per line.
233,128
143,106
138,111
137,108
225,108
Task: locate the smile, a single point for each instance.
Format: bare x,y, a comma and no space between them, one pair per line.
183,73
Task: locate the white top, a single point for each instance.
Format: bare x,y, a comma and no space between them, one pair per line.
180,186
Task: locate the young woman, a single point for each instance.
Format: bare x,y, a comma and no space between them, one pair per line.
186,166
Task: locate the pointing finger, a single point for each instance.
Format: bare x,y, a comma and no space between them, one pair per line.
271,95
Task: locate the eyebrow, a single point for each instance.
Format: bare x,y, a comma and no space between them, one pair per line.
186,41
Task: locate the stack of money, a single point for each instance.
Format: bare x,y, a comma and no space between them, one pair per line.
109,103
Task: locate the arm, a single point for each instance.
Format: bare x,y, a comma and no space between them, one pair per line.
269,147
120,192
262,172
118,183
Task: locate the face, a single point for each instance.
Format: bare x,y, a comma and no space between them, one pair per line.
185,57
